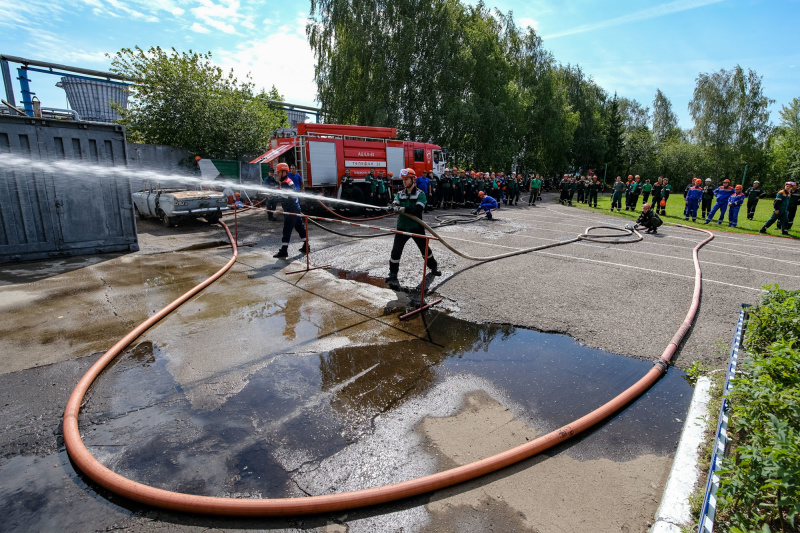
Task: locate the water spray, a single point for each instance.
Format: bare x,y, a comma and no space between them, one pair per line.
76,168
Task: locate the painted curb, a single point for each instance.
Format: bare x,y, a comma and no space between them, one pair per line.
674,509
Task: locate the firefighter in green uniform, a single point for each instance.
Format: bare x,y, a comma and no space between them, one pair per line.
781,206
380,191
447,190
409,200
754,194
512,190
370,181
594,187
794,199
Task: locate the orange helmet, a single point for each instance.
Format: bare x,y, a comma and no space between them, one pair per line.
197,158
390,174
481,194
412,172
282,166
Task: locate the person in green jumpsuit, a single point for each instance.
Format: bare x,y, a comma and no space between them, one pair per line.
781,206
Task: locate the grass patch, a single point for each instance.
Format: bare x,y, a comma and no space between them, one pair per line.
760,478
674,214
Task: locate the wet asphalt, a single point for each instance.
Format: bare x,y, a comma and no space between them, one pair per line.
272,384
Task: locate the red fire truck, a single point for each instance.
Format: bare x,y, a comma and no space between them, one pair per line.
322,152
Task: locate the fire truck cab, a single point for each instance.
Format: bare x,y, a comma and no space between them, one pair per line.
322,153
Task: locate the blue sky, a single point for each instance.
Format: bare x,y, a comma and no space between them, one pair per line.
628,47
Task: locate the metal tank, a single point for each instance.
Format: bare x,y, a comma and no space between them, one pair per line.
92,99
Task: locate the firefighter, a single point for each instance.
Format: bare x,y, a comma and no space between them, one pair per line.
781,210
564,188
649,219
513,190
380,190
573,187
734,204
708,194
411,200
271,182
594,187
658,186
791,210
636,190
646,188
487,204
665,192
616,196
628,185
536,185
754,194
369,179
581,187
693,197
290,222
447,191
723,193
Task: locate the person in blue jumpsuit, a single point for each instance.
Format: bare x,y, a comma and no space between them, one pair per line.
734,204
693,197
290,205
488,204
723,193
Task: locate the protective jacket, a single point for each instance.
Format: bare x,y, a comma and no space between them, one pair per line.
694,194
488,203
414,203
723,193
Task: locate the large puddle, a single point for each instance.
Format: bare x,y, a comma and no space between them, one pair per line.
302,408
295,411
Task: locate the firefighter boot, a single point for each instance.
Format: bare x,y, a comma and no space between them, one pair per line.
305,249
433,267
283,252
392,279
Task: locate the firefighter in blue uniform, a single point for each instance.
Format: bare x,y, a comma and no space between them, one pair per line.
410,199
290,205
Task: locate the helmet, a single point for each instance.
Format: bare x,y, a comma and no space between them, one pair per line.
756,182
726,181
630,177
708,179
197,158
739,187
646,205
390,174
481,194
412,172
282,166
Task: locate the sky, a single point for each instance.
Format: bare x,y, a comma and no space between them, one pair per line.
628,47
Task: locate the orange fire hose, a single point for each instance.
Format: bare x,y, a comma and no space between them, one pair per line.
342,501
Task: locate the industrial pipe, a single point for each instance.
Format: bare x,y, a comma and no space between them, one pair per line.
349,500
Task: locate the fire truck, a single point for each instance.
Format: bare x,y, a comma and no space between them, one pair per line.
322,152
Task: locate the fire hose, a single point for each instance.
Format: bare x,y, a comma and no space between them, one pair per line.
175,501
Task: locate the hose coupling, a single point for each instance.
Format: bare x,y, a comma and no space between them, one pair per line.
662,365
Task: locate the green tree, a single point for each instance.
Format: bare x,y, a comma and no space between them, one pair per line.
731,118
665,121
785,145
615,139
183,99
588,100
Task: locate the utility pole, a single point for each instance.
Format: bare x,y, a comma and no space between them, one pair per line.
744,175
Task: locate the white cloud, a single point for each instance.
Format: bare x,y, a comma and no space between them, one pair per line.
199,28
525,22
221,16
653,12
283,58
